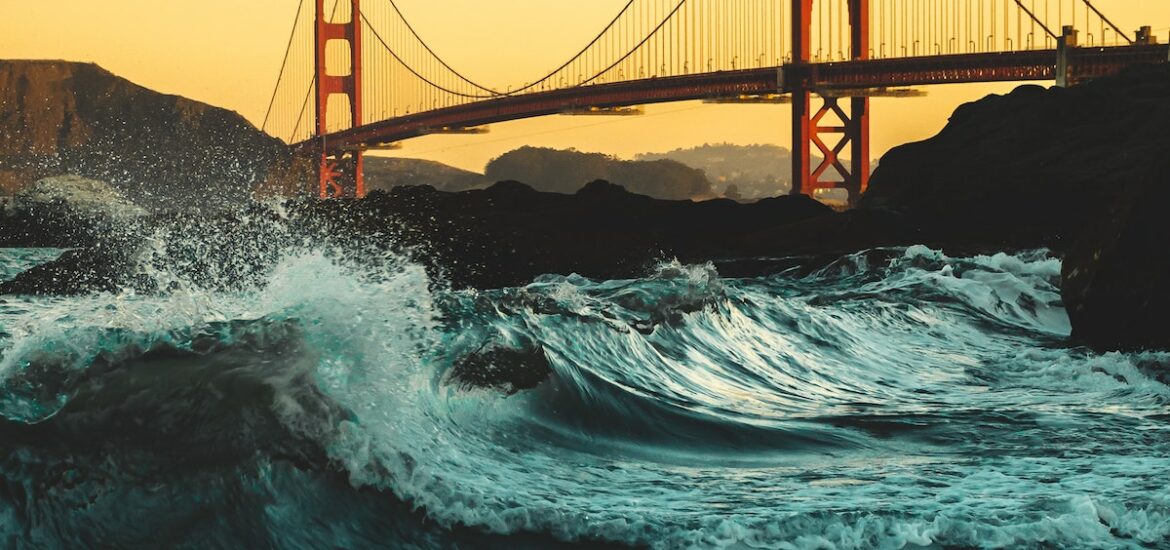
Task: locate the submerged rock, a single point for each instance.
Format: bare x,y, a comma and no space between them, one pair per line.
80,271
215,393
506,369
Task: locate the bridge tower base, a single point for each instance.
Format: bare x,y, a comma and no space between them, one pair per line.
806,125
339,174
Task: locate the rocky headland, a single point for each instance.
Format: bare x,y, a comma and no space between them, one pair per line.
58,117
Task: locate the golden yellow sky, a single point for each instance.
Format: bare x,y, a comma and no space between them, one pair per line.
227,53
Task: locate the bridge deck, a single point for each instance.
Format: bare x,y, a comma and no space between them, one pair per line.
913,71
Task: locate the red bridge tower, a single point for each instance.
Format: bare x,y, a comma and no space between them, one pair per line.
806,127
340,173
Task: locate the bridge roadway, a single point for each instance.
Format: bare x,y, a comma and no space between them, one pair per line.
1085,63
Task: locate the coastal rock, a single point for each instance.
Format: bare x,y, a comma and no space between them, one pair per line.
839,234
1076,170
1027,169
509,233
506,369
502,236
1115,278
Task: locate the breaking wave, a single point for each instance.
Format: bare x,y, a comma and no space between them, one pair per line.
894,398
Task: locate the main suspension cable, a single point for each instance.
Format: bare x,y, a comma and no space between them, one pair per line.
1106,19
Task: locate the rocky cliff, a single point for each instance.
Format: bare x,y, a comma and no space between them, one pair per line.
59,117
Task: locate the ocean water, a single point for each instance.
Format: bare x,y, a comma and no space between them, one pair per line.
898,398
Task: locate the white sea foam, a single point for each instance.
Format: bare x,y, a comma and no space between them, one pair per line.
923,402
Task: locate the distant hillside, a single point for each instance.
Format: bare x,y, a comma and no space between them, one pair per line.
739,171
386,173
751,171
58,117
567,171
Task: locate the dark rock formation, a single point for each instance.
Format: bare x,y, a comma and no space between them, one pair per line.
1079,170
229,250
499,237
60,118
49,225
1116,278
506,369
80,271
1032,167
509,233
839,234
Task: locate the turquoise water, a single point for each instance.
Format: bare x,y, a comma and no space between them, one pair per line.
895,399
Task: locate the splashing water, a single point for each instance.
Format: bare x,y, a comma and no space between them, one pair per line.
895,398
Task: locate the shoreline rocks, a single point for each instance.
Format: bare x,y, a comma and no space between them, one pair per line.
1030,168
1082,171
503,236
1115,281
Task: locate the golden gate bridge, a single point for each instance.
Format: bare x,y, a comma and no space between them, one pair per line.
357,76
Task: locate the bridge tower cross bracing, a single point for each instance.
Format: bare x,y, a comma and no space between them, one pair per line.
806,125
340,174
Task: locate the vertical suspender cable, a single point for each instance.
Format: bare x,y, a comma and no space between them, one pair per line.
283,64
840,33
